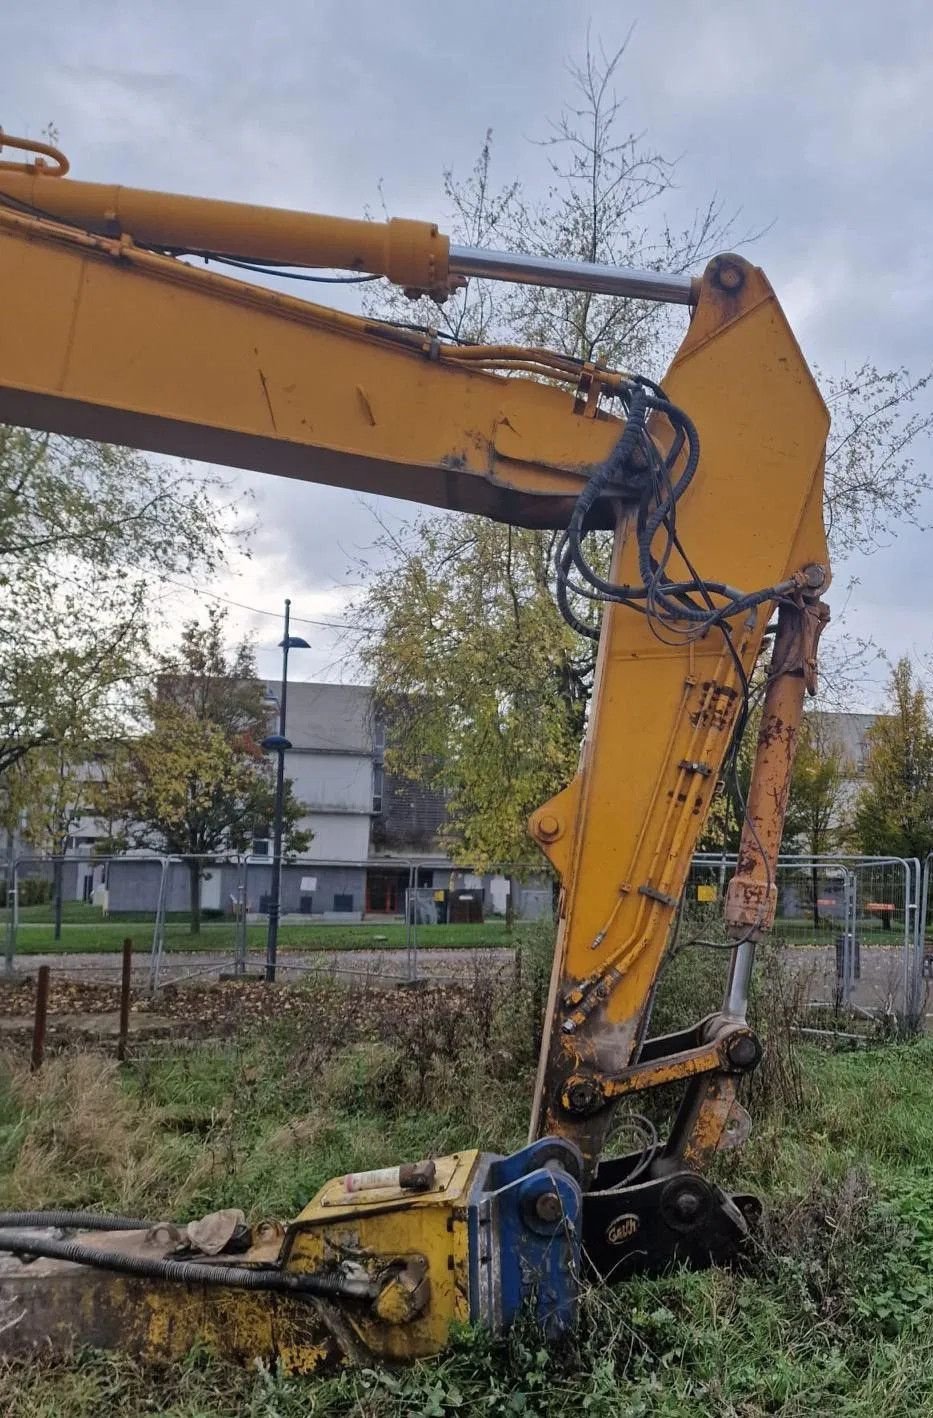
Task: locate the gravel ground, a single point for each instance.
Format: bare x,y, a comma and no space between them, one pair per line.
461,964
880,985
882,967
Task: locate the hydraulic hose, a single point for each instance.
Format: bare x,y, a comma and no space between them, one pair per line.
184,1272
80,1220
663,601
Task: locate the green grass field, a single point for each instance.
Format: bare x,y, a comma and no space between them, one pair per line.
83,930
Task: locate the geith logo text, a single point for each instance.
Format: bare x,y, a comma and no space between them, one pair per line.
623,1228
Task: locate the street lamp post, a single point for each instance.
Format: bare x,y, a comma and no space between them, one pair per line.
279,744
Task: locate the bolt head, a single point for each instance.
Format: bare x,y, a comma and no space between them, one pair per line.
728,276
583,1095
548,1207
687,1205
547,827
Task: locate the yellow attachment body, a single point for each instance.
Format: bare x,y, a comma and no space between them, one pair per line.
387,1225
419,1238
60,1305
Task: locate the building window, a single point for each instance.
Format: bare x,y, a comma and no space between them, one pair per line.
260,847
378,785
343,901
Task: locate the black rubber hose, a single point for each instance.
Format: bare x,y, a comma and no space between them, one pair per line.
564,586
80,1220
664,600
184,1272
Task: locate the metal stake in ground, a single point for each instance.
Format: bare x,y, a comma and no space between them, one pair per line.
38,1025
126,978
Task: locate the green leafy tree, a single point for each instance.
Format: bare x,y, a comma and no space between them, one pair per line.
86,530
506,751
894,810
465,596
196,782
484,683
816,821
49,792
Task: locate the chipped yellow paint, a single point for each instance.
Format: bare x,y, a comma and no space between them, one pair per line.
395,1224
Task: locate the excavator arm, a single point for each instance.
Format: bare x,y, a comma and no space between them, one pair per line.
104,337
712,485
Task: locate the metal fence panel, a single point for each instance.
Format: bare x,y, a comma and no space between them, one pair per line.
62,907
148,896
855,927
851,925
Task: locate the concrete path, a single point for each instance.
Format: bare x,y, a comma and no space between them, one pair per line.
463,964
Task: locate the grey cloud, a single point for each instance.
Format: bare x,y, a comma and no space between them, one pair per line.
814,119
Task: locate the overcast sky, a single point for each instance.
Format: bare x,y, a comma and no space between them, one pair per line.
813,118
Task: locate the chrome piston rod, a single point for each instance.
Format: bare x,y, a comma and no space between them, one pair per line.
573,275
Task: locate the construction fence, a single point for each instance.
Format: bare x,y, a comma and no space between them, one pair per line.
855,926
373,913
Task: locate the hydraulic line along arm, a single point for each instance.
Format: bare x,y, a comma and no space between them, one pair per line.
712,483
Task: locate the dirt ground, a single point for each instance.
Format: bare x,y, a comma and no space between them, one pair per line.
373,966
88,1012
85,996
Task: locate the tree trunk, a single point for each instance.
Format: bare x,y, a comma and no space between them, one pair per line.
194,893
57,874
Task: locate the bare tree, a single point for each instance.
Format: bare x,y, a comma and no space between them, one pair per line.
604,203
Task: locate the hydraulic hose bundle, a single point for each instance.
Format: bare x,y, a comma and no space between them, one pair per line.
637,475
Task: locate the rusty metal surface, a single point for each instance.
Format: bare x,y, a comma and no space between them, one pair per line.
56,1306
751,897
126,983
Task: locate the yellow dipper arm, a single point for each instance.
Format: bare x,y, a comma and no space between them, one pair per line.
662,716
